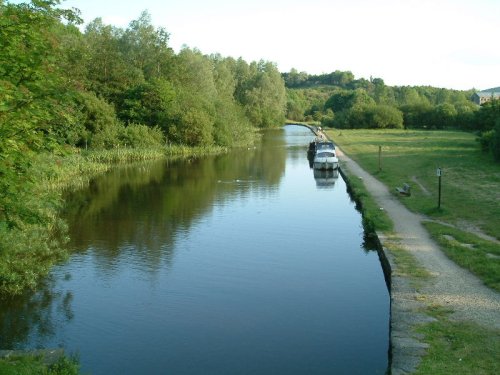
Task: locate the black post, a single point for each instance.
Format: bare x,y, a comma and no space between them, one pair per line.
439,188
380,158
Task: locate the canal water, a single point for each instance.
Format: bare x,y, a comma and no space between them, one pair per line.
245,263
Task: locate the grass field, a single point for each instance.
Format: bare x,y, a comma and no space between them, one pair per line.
470,196
470,200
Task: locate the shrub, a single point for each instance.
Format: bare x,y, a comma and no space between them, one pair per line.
142,136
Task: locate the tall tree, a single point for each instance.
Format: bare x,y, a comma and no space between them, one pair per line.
146,47
32,93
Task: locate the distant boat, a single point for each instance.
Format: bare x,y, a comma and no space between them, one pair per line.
321,154
326,160
320,144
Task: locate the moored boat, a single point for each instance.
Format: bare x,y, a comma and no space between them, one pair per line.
326,160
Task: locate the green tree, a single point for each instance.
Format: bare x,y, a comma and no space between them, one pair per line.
193,114
495,141
231,127
32,93
108,72
148,103
146,47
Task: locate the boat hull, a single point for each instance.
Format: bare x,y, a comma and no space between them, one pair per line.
325,164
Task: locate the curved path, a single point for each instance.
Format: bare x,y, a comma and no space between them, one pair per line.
451,286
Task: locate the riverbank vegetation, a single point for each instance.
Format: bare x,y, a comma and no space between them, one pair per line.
32,364
73,103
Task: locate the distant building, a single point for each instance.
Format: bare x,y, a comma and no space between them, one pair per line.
484,96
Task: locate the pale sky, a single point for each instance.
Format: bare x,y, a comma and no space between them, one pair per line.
442,43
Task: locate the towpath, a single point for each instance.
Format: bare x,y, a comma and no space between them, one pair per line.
451,286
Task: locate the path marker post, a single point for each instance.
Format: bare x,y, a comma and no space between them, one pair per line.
439,174
380,158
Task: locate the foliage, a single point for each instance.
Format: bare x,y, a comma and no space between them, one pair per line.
264,96
495,142
374,219
369,116
111,90
142,136
29,364
350,103
31,92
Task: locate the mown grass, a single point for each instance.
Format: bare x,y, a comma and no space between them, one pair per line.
469,251
471,184
458,347
470,180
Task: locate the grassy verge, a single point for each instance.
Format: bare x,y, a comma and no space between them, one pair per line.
374,219
406,264
458,347
470,180
469,251
455,347
29,365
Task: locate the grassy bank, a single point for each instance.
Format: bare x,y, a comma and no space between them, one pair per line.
470,204
470,194
374,219
470,180
29,249
29,365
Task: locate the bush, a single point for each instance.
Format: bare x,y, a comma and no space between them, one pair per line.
495,142
369,116
142,136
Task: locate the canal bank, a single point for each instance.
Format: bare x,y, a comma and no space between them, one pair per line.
246,262
444,286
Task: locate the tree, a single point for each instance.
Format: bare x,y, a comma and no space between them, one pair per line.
265,97
146,48
148,103
193,114
32,93
108,72
345,100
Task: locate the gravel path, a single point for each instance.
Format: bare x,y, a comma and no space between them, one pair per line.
452,286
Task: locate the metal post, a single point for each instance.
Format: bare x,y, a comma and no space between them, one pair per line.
439,188
380,158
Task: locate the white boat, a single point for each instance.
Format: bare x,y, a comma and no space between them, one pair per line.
326,160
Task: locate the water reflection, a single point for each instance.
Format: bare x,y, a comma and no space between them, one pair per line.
238,263
325,179
28,320
149,205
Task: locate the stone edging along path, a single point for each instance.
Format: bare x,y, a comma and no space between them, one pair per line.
450,286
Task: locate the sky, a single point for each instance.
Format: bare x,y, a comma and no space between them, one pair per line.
441,43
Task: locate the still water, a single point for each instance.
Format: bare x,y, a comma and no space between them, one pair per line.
246,263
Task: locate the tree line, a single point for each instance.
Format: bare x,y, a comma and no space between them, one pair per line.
339,100
109,87
66,91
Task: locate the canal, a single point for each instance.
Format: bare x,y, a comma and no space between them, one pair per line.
245,263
